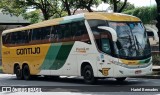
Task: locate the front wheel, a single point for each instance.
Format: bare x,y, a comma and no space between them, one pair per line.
121,79
88,75
26,72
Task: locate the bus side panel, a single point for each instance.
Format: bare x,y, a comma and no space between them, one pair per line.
24,54
58,59
85,53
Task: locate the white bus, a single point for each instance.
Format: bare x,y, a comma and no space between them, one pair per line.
93,45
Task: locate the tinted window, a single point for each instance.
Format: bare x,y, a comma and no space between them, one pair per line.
54,34
75,31
61,33
36,34
106,46
80,32
45,33
6,38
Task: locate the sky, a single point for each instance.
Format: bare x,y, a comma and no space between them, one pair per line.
137,3
140,3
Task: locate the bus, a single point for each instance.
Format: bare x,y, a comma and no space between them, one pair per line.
92,45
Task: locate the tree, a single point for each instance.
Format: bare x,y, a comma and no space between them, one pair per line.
33,16
12,7
72,5
86,4
128,6
48,7
158,19
67,4
146,14
115,5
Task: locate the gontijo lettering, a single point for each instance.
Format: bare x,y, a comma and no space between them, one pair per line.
24,51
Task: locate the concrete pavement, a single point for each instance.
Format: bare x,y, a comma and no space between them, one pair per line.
154,75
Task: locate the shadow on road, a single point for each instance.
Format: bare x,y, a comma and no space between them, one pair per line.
66,84
103,82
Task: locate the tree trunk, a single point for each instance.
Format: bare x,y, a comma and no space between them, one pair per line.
45,14
124,4
67,7
158,19
115,5
89,9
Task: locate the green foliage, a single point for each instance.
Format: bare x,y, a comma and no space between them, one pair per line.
156,59
128,6
49,8
119,5
44,8
146,14
33,16
12,7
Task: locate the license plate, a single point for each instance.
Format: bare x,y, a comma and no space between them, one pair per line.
138,72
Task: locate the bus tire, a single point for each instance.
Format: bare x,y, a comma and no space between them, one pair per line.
26,72
18,72
121,79
88,75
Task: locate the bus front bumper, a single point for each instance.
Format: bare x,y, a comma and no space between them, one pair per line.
120,71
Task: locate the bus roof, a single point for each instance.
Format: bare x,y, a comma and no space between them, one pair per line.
66,19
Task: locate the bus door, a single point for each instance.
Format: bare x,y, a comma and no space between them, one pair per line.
103,41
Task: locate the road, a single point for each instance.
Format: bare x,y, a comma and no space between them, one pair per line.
67,84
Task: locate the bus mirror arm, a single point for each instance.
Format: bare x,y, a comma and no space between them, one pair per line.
155,34
111,30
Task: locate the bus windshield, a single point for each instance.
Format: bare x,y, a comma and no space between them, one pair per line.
132,40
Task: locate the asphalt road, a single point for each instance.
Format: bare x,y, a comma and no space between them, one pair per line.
74,84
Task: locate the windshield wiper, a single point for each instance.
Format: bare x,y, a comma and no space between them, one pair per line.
137,43
141,50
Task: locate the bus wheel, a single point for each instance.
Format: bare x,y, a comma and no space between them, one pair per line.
88,75
26,72
121,79
18,72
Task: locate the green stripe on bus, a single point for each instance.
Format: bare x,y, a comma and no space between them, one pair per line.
145,61
57,56
62,56
51,55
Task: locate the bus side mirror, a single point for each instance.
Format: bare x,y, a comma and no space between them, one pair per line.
111,30
152,33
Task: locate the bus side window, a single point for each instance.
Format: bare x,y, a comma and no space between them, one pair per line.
6,38
36,36
60,31
14,38
80,32
106,45
45,34
84,33
21,37
29,35
54,34
26,36
74,29
68,33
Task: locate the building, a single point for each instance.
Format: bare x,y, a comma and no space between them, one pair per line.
8,21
